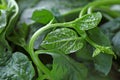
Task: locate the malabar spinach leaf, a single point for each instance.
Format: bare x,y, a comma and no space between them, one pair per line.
18,37
67,68
111,29
5,51
64,66
103,63
63,39
85,53
93,75
83,30
12,14
116,43
42,16
88,21
100,60
98,37
18,68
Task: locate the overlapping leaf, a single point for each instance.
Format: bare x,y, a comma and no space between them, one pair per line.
63,39
5,52
65,68
112,30
88,21
18,68
100,60
116,44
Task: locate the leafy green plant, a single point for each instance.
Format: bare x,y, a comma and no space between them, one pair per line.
77,47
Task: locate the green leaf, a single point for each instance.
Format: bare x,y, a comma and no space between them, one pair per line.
103,49
65,68
5,51
100,60
93,75
98,37
42,16
85,53
112,30
11,13
63,39
18,68
3,20
96,52
32,29
103,63
88,21
116,43
19,36
7,17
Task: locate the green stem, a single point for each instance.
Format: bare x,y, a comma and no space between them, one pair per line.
39,72
98,3
84,35
34,56
91,42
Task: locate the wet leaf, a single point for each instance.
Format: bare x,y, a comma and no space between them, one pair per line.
88,21
18,67
63,39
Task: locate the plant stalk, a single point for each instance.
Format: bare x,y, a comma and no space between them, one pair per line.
98,3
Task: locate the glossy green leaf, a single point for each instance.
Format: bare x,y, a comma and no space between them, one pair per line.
93,75
42,16
5,51
116,43
88,21
103,63
7,16
5,24
85,53
63,39
11,13
100,60
112,30
98,37
19,36
67,68
18,68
